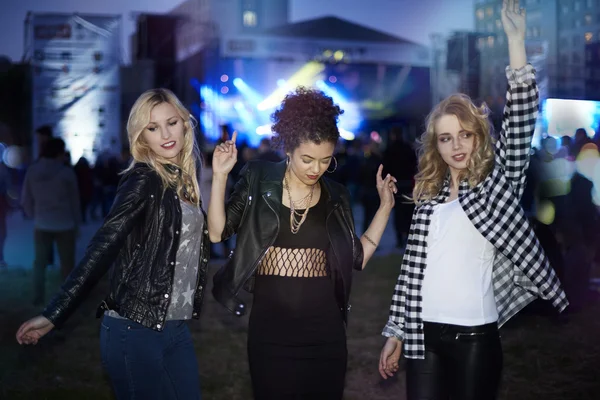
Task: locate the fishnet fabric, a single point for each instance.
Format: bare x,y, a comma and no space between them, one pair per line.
300,263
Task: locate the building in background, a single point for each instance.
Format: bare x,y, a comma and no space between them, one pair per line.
561,27
592,71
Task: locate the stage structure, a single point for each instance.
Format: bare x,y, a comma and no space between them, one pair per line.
250,56
371,75
75,61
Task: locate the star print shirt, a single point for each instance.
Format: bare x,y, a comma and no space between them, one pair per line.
186,265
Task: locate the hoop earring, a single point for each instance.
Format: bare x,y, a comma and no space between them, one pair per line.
287,162
334,168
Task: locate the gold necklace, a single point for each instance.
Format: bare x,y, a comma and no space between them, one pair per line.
298,218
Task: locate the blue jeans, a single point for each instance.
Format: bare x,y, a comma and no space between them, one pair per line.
146,364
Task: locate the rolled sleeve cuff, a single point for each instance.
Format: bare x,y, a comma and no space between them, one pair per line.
391,329
523,75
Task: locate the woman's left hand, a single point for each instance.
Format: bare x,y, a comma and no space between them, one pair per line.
513,20
386,189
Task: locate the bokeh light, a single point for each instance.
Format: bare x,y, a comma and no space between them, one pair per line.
546,212
587,160
14,156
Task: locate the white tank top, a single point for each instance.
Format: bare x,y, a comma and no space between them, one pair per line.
457,287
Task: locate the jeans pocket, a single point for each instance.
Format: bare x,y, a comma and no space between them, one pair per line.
104,343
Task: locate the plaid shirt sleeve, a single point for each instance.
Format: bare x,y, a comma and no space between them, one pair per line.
395,324
518,123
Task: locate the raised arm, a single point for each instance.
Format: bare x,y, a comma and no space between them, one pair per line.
222,220
371,237
521,109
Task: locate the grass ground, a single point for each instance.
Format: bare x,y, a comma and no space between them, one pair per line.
545,357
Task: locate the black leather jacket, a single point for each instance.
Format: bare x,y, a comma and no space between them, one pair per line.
140,236
253,213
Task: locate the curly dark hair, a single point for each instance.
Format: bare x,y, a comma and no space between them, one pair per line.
305,115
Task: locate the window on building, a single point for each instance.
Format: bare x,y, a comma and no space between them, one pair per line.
576,58
564,41
565,9
250,19
577,6
499,24
489,27
589,3
480,43
576,23
535,31
490,41
588,19
500,39
589,36
480,14
489,11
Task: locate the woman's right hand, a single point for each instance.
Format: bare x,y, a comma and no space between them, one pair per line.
390,357
225,156
33,330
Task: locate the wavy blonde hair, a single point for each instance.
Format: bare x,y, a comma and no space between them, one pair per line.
432,169
186,186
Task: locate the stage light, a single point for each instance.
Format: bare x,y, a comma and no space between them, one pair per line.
332,79
338,55
250,94
264,130
224,90
345,134
351,119
224,78
305,76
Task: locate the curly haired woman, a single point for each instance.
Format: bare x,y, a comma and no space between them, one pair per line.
472,260
296,247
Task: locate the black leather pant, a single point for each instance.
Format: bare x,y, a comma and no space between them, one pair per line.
461,363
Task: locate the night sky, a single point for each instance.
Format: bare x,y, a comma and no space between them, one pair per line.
410,19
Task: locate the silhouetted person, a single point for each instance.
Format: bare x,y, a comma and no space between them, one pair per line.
266,153
400,161
4,205
85,182
51,197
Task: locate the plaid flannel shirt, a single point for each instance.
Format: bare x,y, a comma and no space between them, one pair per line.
521,271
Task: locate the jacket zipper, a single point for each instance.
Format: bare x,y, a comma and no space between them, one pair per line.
351,234
459,334
257,262
335,255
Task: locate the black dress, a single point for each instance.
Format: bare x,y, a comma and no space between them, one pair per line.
296,335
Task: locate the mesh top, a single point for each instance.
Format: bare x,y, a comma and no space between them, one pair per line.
303,254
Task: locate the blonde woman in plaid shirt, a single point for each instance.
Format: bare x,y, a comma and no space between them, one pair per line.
472,259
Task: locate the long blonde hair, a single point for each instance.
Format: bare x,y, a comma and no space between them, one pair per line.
186,186
432,169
